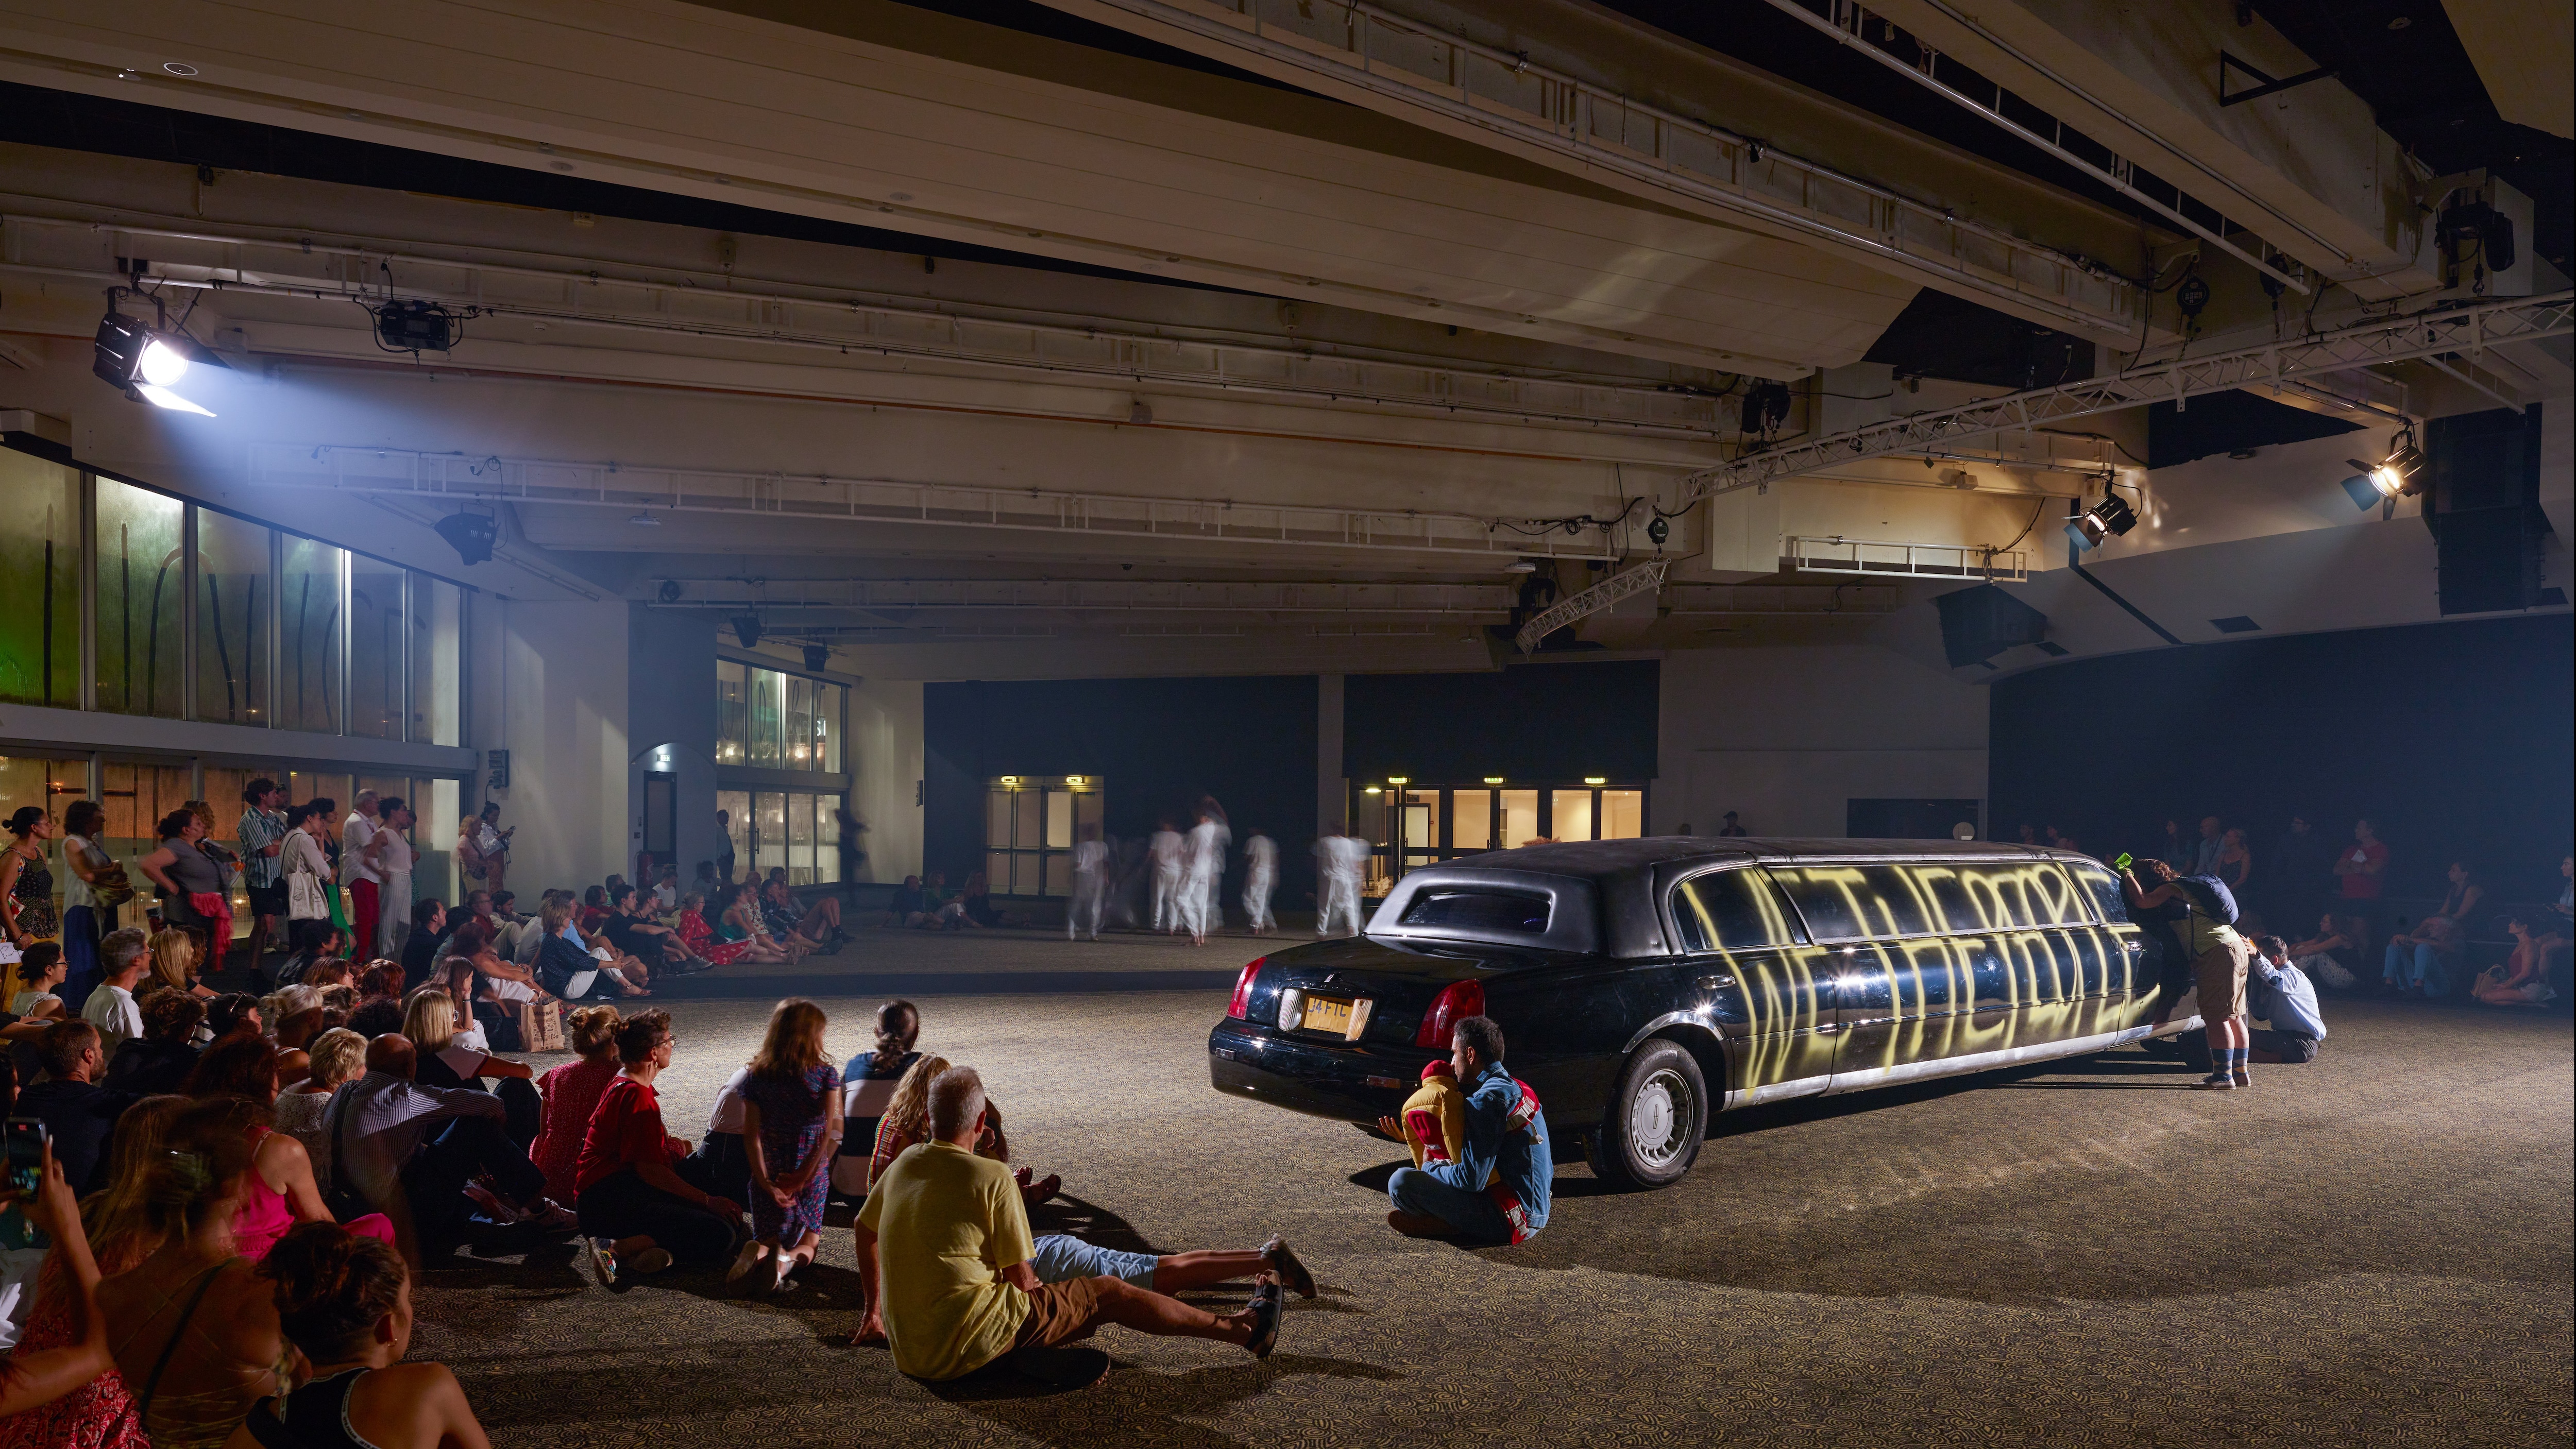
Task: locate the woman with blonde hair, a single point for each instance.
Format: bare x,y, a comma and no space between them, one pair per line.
429,1019
174,966
336,1056
907,1121
791,1130
570,1092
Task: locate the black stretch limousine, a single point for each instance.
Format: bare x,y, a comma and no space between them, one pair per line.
1642,984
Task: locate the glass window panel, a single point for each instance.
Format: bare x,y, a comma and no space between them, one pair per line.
769,812
997,872
830,703
2104,888
1520,818
827,839
735,806
140,586
800,839
1623,814
437,803
1087,810
799,752
1730,910
1570,815
1471,820
308,602
1059,820
376,631
1421,819
39,581
768,706
1059,875
1849,902
1024,818
437,660
733,714
234,597
303,785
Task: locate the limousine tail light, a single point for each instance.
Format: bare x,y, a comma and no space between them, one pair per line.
1241,1006
1456,1002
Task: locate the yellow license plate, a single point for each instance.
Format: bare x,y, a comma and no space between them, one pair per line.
1325,1013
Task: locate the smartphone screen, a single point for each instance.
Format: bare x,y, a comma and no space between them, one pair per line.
26,1139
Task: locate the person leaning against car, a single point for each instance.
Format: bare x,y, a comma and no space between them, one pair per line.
2218,964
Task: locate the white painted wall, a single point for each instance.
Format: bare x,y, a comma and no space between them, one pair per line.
1787,737
560,706
885,748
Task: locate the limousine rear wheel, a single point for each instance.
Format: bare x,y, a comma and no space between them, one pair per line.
1652,1132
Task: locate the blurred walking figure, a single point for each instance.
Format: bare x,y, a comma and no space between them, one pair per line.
1214,814
1205,860
1337,864
1164,854
1260,878
1090,884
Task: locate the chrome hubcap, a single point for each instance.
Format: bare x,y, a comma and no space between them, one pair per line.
1657,1117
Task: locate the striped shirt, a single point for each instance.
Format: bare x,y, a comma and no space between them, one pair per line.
260,829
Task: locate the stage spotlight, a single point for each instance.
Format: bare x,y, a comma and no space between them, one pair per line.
143,362
2393,477
746,628
471,535
2107,519
416,327
818,657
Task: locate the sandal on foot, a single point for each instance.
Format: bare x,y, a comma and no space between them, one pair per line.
1284,1262
1267,1309
743,1262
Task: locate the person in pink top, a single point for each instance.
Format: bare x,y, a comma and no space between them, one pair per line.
280,1191
571,1093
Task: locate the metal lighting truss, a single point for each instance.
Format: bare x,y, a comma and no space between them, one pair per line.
810,498
591,295
2467,330
1645,578
1713,170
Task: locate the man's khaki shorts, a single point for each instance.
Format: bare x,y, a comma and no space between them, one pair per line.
2219,973
1062,1313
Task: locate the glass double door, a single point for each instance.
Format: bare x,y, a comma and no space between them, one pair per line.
1412,826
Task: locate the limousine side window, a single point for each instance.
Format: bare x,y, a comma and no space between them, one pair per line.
1856,902
1730,910
2104,888
1479,911
2000,895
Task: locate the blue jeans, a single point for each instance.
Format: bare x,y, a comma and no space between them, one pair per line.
1060,1259
1473,1214
2417,968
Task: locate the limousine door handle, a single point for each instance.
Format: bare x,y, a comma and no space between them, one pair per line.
1714,983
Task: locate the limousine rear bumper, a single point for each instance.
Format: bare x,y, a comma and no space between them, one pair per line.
1347,1084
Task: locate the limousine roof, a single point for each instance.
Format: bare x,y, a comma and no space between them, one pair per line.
1605,895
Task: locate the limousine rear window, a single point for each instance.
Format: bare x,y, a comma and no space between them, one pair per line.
1479,911
1730,910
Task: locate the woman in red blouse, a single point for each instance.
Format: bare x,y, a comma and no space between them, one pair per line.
638,1205
570,1093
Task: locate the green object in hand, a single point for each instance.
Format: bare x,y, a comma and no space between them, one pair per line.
2122,861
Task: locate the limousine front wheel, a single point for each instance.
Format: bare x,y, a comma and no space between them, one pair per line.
1652,1131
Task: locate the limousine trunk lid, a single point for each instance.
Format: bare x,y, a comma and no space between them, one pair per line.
1398,982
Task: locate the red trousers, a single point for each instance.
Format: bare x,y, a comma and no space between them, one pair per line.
362,912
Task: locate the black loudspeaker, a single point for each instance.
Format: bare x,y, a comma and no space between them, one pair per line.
2483,506
1978,624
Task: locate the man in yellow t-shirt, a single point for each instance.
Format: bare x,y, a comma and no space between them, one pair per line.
956,1289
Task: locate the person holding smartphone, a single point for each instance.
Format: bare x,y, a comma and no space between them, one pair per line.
35,1194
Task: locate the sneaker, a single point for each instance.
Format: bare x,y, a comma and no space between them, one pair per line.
1284,1262
553,1216
490,1205
603,1265
744,1261
2218,1082
2243,1080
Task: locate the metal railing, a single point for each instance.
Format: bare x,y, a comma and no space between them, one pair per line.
1898,558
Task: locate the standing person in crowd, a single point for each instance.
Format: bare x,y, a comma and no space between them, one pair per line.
1260,879
26,884
2302,862
1498,1189
2218,961
2177,850
51,1363
848,829
1169,855
791,1130
261,834
2523,978
944,1263
1214,813
95,884
80,1114
724,847
1203,863
868,1084
122,958
570,1093
279,1190
305,870
2235,861
1731,828
163,1056
2281,994
1090,884
395,856
193,1328
638,1207
492,847
2362,867
344,1302
194,881
1338,860
358,870
420,948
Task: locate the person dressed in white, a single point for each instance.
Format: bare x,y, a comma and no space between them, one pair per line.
395,856
1164,853
1260,878
1090,883
1214,905
1337,862
1205,860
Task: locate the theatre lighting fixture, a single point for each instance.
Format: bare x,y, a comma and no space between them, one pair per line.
2399,475
746,628
470,534
818,657
147,362
415,326
646,519
2107,519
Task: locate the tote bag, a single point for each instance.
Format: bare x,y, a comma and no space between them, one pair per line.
305,898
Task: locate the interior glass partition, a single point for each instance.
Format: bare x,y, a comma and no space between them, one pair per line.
733,713
437,661
234,600
40,554
142,588
309,602
376,638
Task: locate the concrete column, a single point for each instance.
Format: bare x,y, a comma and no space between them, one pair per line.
1332,789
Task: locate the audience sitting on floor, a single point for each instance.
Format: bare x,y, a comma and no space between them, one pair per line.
818,924
123,956
1497,1189
161,1058
337,1056
637,1205
380,1000
945,1265
2422,960
911,905
344,1302
40,969
77,1111
281,1190
743,920
308,942
442,1057
231,1015
2277,991
791,1131
2523,977
868,1084
719,947
59,1358
2317,955
569,1093
175,955
637,934
421,948
409,1151
907,1122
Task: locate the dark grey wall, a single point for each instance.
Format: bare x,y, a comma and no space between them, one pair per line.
671,701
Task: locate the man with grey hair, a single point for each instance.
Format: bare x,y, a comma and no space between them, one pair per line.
123,957
957,1290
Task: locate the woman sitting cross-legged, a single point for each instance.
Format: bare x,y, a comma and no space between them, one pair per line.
345,1303
721,947
570,1093
638,1207
280,1191
791,1130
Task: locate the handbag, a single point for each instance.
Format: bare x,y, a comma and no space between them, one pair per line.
304,898
540,1029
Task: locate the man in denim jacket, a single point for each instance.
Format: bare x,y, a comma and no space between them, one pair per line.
1497,1189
